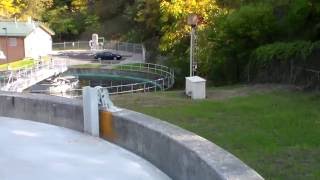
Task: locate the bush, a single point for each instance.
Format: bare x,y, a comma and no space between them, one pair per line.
282,51
281,61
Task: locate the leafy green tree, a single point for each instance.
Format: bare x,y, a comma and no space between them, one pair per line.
7,8
174,16
70,19
24,8
233,36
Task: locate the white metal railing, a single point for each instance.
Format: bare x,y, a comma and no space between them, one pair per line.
12,80
112,45
138,51
164,82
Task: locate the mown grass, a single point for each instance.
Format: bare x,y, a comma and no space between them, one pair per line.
275,132
79,66
25,63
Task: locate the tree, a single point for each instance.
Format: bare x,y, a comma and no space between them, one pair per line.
174,18
7,8
232,38
70,19
22,9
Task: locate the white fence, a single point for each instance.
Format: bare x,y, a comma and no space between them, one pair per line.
110,45
137,52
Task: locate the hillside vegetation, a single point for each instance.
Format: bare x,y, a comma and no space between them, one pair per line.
239,40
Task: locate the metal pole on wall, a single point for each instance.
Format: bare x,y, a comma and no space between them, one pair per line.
91,111
7,52
143,53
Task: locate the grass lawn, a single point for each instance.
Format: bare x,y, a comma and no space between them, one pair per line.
86,66
25,63
274,130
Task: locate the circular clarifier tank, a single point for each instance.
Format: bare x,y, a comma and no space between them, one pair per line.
36,151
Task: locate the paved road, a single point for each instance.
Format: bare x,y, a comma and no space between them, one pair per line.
36,151
87,57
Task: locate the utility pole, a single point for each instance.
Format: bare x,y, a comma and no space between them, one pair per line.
193,22
195,85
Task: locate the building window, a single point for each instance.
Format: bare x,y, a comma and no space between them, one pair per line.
12,42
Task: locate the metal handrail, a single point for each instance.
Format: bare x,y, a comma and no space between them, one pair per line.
29,72
146,67
165,82
114,45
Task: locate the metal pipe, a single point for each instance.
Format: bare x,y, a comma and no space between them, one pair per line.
191,50
7,52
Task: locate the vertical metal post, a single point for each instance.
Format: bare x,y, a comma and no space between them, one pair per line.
191,50
143,53
163,84
91,111
7,51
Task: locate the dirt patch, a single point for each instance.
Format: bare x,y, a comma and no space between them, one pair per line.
245,90
147,100
173,98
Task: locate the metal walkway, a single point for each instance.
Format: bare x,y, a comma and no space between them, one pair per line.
19,80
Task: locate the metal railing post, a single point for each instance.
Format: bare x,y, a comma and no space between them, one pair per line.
162,84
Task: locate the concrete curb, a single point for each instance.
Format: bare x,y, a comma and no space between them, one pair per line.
179,153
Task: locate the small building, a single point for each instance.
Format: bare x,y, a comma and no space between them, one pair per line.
196,87
19,40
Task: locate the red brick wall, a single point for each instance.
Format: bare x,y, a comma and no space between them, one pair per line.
15,52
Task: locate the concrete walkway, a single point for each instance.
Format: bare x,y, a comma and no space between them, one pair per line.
35,151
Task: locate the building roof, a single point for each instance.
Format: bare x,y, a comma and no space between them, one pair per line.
23,29
195,79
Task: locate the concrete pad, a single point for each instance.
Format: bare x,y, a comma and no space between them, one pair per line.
36,151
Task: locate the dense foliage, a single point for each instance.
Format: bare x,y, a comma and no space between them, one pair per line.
259,33
235,33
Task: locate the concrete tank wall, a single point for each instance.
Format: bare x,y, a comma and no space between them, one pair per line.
179,153
42,108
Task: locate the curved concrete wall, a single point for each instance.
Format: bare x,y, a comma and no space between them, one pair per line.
177,152
42,108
